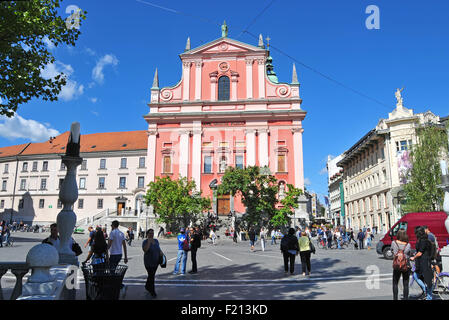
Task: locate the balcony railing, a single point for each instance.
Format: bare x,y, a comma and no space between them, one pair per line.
19,269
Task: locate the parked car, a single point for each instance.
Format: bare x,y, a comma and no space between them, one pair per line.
434,220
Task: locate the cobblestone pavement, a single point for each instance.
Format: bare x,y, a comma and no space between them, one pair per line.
231,271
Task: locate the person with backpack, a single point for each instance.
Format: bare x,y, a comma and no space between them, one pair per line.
423,272
252,238
183,250
401,265
289,249
98,252
361,238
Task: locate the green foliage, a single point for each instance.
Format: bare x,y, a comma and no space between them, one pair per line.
422,193
176,202
259,195
23,52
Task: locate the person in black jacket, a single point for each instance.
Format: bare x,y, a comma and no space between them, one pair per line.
195,243
289,249
252,238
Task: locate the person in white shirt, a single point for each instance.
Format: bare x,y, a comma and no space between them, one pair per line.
116,242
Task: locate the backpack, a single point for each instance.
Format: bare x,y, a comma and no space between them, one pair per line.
434,250
400,262
284,243
186,244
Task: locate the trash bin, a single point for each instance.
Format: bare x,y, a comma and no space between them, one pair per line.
103,283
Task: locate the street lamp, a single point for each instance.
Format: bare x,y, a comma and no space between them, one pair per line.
400,196
445,186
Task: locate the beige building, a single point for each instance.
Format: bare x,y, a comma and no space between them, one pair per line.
375,169
111,180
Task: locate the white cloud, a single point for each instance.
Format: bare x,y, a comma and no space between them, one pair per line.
18,127
93,100
323,171
72,89
307,182
90,52
48,43
97,72
95,113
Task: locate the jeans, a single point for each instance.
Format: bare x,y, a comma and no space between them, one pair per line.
149,285
361,244
338,244
182,255
114,260
405,280
273,239
305,261
193,256
423,286
1,241
329,243
289,257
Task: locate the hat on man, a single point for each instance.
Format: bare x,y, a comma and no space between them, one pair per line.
182,230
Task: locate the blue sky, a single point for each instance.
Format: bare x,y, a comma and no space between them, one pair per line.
122,42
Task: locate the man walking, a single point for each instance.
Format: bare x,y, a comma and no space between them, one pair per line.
130,235
91,237
182,253
252,238
273,237
116,243
361,238
195,243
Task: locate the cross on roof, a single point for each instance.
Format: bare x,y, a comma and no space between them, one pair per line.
268,40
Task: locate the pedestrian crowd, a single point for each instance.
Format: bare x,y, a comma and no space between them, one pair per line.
340,235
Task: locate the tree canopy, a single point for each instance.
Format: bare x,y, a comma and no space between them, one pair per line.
25,29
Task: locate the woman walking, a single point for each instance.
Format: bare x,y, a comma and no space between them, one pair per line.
423,273
289,249
304,252
98,252
401,251
151,260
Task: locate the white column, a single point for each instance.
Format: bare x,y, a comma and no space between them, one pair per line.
250,147
297,154
183,153
234,76
196,154
198,80
151,154
213,85
186,80
263,147
249,78
261,76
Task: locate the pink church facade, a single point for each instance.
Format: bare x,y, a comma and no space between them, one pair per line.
227,110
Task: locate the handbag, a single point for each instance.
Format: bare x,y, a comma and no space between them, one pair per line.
162,260
76,248
312,247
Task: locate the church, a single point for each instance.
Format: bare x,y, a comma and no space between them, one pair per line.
228,109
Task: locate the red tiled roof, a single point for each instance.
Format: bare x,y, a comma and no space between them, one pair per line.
95,142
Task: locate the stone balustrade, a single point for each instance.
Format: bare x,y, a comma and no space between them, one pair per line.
19,269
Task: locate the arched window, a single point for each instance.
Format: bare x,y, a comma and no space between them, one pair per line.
223,88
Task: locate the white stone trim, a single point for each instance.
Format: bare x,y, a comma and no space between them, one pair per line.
198,65
186,80
263,147
249,78
251,147
297,151
196,154
183,153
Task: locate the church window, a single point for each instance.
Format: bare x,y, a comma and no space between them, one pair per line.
223,88
282,163
167,164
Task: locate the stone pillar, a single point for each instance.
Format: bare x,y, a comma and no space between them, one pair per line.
184,153
250,147
261,77
66,219
196,154
186,81
213,85
298,166
198,65
263,147
249,78
234,80
152,135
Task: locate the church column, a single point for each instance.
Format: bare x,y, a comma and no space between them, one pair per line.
261,76
297,154
198,65
249,78
263,146
151,154
213,85
250,147
196,154
186,80
234,76
183,153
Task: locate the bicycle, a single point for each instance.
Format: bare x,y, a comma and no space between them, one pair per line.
440,283
9,242
321,244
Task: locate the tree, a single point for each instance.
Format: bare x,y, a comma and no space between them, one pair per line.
258,192
25,26
422,193
176,202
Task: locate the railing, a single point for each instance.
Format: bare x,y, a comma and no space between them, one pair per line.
19,269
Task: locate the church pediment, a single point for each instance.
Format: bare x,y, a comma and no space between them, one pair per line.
224,46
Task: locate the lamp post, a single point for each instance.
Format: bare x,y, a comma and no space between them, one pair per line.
445,186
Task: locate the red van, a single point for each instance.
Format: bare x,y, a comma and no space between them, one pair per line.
434,220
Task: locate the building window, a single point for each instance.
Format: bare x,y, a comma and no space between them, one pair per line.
207,164
84,165
386,201
21,204
122,182
281,163
102,163
41,203
6,168
25,166
45,166
223,88
101,182
4,182
141,182
100,204
44,184
142,162
61,181
2,204
167,164
34,166
123,163
59,205
23,184
82,183
80,203
222,164
239,162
